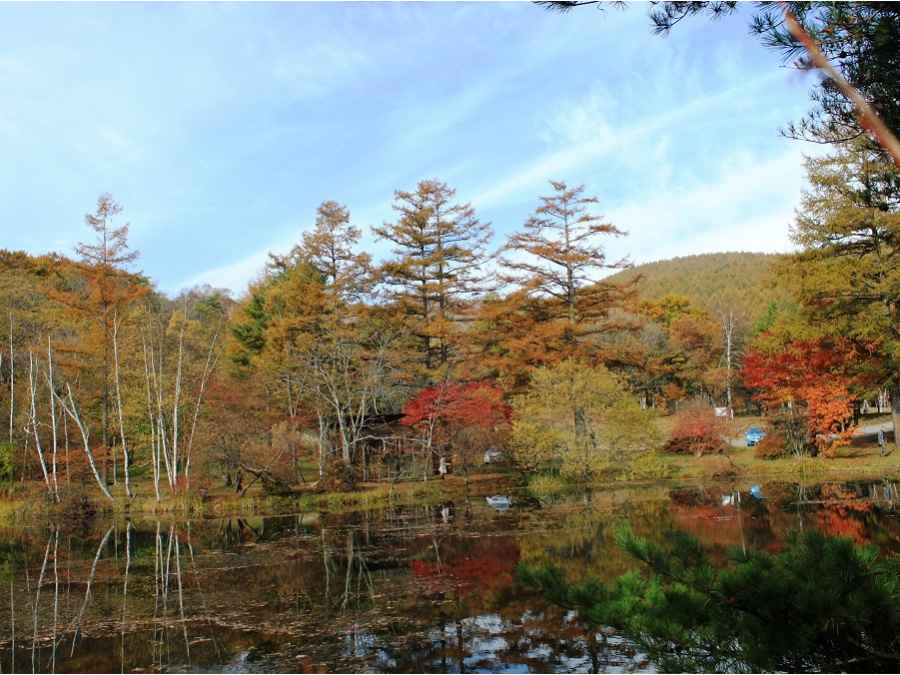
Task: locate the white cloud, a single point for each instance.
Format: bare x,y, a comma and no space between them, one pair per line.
237,274
749,207
586,141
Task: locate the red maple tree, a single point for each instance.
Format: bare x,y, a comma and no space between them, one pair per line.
810,385
465,418
458,404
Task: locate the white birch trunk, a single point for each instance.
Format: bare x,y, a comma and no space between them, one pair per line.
12,380
207,370
154,450
52,415
73,413
34,427
126,460
177,396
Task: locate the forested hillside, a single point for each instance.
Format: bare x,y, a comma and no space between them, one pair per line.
742,282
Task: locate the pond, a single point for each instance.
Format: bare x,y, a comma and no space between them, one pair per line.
403,589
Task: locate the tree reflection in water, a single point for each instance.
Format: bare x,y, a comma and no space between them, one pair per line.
821,604
428,588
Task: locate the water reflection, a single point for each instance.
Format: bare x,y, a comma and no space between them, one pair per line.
400,589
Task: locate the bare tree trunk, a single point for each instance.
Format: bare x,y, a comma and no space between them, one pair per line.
895,414
207,370
154,459
73,413
728,330
125,458
34,427
12,379
66,434
52,414
160,419
177,397
321,444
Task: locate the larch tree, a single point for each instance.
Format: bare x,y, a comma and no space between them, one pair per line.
555,262
440,250
306,332
847,272
331,249
102,298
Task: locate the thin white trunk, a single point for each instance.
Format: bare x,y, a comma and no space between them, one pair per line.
728,329
322,437
12,379
177,395
207,370
160,418
66,435
154,460
125,458
52,414
32,387
72,411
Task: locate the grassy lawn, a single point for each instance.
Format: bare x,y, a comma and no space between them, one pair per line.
861,461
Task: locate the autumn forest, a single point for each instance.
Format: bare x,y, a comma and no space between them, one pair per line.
373,411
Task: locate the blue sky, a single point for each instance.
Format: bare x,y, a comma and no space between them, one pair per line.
221,127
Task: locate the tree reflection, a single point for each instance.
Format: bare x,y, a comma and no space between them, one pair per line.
416,588
822,603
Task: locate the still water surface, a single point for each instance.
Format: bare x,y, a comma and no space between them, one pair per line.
403,589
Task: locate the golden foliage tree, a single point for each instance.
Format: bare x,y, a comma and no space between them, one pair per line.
438,266
558,306
581,419
101,297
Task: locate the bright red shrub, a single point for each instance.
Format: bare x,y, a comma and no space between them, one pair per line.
698,432
459,404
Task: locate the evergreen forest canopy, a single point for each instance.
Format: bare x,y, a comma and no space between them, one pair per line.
336,367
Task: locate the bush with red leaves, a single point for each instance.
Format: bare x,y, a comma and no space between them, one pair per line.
697,432
772,446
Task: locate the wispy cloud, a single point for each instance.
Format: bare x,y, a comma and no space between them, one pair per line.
227,124
748,206
587,140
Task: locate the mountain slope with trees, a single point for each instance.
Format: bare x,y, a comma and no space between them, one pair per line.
740,281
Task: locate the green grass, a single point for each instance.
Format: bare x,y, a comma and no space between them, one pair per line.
29,502
853,462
